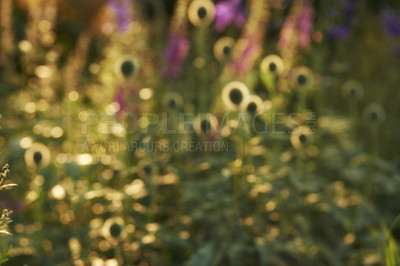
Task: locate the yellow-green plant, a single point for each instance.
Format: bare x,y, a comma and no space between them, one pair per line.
387,244
5,219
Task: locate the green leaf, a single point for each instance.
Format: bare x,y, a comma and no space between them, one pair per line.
8,186
235,254
268,80
4,232
263,253
3,256
205,256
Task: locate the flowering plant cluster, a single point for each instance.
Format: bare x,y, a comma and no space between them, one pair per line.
200,132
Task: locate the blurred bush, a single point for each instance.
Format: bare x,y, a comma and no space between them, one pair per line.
201,132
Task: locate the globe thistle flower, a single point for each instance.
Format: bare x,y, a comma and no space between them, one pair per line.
374,114
234,94
229,12
173,101
272,64
253,105
38,155
127,66
146,168
206,124
114,229
122,9
301,136
302,77
223,48
201,12
353,90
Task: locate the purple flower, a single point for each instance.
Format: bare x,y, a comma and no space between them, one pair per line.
120,99
174,55
122,9
391,22
125,97
350,11
228,12
305,25
243,63
339,32
343,31
396,50
287,31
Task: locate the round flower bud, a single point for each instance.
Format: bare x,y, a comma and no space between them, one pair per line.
234,94
374,114
201,12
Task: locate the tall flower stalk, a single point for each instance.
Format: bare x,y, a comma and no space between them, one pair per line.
178,44
249,46
296,31
122,9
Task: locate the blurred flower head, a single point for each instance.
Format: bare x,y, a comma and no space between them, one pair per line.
127,66
301,136
343,30
234,94
302,77
374,114
223,48
201,12
339,32
114,229
272,64
229,12
247,51
305,25
146,168
391,22
206,124
353,90
38,155
173,101
122,9
253,105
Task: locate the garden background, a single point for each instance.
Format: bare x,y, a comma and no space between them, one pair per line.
199,132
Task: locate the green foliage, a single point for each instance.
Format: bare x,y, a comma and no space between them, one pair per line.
88,194
387,243
5,219
3,256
